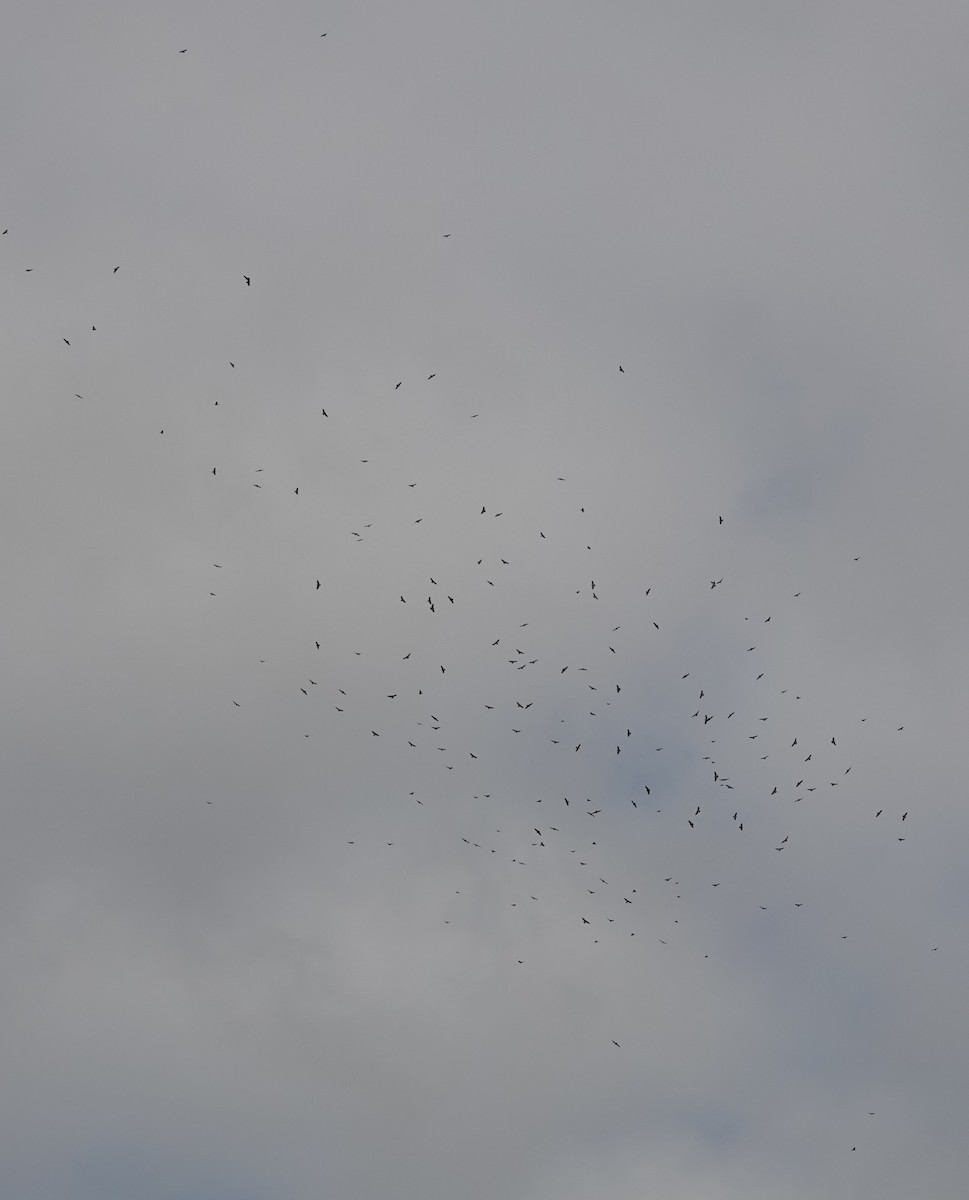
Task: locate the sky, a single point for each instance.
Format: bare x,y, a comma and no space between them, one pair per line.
484,585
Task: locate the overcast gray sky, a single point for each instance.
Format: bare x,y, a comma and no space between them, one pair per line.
369,776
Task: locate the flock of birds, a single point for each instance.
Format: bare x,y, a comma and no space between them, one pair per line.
577,713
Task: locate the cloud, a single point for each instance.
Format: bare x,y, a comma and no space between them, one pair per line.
289,908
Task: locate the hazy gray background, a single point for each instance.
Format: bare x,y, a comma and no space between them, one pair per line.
759,210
